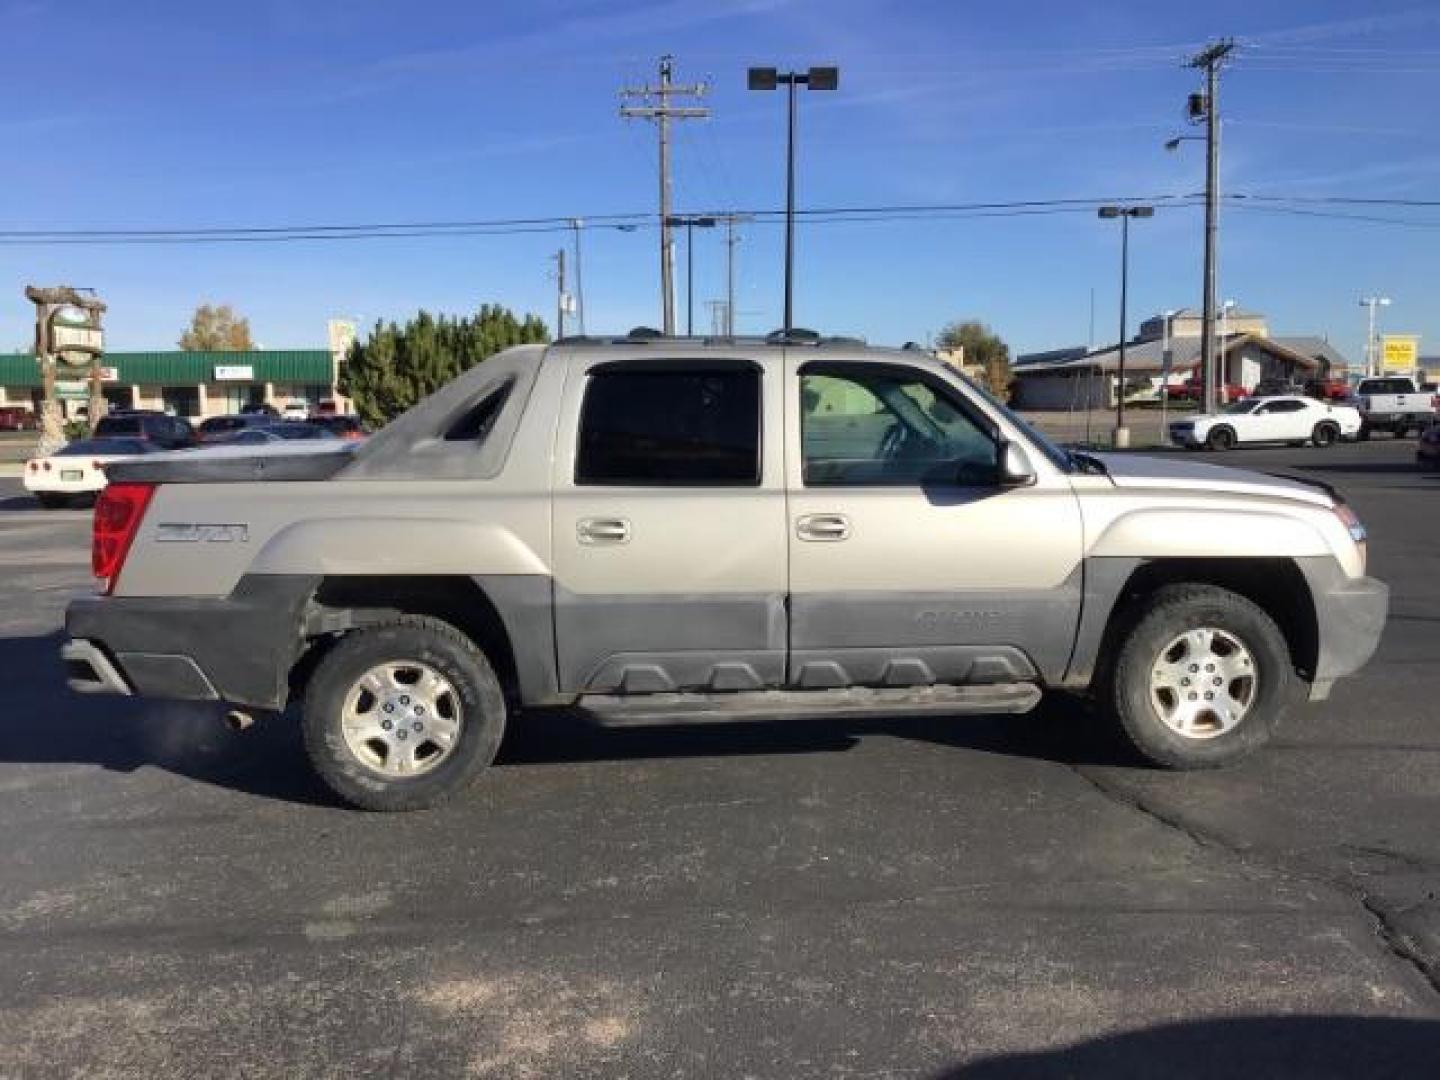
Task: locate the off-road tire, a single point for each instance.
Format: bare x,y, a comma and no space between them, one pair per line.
1221,439
1168,613
414,638
1326,434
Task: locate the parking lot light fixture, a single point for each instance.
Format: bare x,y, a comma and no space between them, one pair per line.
769,78
1124,213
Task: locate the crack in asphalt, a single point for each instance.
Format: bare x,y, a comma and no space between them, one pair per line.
1395,938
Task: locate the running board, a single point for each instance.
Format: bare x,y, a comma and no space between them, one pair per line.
635,710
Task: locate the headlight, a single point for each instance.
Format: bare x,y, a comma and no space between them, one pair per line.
1355,528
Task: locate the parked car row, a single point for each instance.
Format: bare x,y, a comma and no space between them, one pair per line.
77,472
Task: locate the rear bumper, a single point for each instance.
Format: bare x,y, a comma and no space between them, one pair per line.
239,648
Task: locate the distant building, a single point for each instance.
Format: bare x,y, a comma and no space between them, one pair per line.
1078,378
189,384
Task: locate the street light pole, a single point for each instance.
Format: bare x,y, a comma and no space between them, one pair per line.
691,222
689,277
1372,302
816,78
1124,213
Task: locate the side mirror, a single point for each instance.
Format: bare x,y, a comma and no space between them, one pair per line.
1016,468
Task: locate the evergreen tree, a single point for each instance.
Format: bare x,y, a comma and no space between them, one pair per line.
397,365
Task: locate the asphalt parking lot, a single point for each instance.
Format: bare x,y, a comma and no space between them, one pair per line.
966,898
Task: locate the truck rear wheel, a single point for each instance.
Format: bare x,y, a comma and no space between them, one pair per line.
1202,679
402,715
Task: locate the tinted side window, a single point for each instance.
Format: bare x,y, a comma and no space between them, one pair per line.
1286,406
118,425
670,427
474,424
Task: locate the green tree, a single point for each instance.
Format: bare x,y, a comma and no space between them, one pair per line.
981,348
398,365
217,329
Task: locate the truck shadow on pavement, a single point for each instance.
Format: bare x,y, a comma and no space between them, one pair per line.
188,739
1313,1047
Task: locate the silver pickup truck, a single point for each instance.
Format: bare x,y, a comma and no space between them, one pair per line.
671,530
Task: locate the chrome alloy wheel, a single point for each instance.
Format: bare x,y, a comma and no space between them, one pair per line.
1203,683
401,719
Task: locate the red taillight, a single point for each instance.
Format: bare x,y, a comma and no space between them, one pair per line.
118,513
34,466
98,466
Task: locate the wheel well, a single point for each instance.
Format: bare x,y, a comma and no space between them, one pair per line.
1276,586
343,603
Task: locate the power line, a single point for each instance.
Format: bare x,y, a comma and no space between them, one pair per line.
1339,216
636,221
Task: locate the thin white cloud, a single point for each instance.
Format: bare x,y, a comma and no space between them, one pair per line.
1345,28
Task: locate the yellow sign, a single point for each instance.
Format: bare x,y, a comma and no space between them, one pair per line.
1400,352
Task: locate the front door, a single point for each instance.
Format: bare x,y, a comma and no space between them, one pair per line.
669,526
910,564
1283,419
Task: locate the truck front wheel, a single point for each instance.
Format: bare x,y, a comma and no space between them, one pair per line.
403,714
1202,678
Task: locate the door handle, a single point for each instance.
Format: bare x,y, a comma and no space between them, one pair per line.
603,531
823,527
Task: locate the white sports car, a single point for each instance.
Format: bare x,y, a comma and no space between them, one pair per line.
1283,419
77,470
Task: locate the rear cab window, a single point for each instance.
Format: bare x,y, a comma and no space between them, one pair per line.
646,424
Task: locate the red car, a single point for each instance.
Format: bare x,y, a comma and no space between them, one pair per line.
18,418
1328,389
1192,390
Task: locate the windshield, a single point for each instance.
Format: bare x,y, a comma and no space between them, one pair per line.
1237,407
1058,457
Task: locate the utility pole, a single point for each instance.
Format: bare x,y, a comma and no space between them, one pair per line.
577,224
731,239
1208,106
560,297
659,106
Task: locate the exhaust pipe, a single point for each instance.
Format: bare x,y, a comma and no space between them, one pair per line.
238,721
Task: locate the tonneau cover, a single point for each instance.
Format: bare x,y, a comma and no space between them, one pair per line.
235,464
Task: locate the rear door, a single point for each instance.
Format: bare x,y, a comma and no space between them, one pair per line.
910,564
669,525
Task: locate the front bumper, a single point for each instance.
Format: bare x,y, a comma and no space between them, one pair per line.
238,648
1350,617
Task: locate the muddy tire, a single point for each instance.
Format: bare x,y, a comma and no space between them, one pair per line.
403,715
1203,677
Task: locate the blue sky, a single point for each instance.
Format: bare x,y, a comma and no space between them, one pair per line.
271,112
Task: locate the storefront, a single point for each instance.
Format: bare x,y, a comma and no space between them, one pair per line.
192,385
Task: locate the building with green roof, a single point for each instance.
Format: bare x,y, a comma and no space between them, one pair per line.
189,384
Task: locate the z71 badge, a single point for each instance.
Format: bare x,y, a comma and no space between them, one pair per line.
169,532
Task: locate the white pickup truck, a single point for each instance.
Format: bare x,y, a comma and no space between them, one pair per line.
1394,403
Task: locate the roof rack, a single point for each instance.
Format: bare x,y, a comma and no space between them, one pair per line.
644,335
